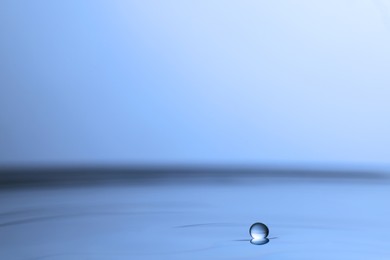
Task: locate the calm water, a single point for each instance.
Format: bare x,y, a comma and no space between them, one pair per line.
307,219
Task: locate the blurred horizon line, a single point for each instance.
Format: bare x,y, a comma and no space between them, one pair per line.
143,174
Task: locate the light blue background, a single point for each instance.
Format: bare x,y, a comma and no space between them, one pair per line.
252,82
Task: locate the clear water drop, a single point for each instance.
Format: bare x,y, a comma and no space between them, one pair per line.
259,231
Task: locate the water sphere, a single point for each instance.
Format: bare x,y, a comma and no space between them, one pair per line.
259,231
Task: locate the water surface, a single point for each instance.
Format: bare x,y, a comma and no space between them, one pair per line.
198,218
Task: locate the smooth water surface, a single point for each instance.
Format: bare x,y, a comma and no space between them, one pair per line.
307,219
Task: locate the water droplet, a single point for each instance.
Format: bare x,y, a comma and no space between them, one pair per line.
258,231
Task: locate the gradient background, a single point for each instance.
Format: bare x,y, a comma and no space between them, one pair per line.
165,129
194,82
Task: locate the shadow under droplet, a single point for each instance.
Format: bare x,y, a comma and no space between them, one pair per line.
259,241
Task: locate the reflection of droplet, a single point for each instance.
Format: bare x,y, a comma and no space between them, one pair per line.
260,241
258,231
